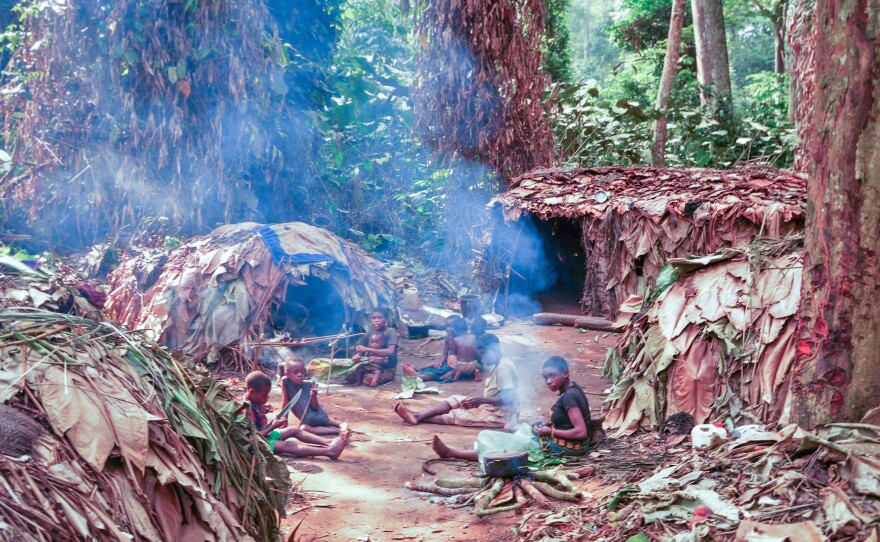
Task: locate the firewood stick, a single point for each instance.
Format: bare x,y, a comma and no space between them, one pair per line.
481,512
487,497
533,492
444,491
554,478
472,482
551,491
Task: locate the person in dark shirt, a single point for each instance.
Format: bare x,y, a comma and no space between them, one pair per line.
567,431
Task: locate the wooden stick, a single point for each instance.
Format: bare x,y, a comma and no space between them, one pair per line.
308,340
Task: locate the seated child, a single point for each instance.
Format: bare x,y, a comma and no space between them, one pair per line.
463,354
311,415
567,432
258,387
372,365
385,356
438,370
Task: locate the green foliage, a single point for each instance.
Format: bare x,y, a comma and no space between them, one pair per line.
557,57
594,130
381,183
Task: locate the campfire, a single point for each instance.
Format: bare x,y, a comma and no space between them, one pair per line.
507,485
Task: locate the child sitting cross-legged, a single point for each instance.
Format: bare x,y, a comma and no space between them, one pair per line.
307,409
258,387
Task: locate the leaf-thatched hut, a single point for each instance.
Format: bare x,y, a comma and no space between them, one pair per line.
246,279
610,230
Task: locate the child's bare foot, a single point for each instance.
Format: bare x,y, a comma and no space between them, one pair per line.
405,414
334,450
440,447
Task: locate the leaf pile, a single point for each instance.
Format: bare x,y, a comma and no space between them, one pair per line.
121,113
720,340
655,214
479,88
765,485
141,446
218,289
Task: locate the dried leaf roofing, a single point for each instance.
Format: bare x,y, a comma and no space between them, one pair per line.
572,192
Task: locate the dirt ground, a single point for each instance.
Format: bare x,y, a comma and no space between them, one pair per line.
362,496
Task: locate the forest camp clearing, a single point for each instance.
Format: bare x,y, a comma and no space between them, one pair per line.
387,270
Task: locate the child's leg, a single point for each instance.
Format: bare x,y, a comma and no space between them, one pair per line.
374,378
456,376
429,415
322,430
304,436
442,450
478,377
333,450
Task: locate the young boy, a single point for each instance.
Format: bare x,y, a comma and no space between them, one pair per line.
496,408
258,387
311,415
463,354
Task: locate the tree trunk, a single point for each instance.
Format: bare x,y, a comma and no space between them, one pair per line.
779,39
586,31
837,375
670,66
713,68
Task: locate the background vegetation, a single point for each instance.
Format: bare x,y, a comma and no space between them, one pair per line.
140,120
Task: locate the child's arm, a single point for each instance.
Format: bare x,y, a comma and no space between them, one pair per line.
273,425
313,398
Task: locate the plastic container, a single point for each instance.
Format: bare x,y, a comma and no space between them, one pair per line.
707,436
410,300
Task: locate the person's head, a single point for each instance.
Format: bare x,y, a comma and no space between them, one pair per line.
459,327
295,370
448,325
555,373
478,326
258,387
377,339
488,349
379,318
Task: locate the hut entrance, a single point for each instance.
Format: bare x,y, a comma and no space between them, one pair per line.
547,269
311,308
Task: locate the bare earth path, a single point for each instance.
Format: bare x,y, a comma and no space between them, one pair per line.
362,496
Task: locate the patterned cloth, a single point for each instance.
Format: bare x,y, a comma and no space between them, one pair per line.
482,416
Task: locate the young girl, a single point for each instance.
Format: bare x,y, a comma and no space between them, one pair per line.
379,321
310,413
566,433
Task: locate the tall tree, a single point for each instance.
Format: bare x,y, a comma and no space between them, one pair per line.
670,66
713,67
837,374
776,11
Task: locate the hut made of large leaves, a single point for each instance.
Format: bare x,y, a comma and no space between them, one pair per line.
247,280
603,234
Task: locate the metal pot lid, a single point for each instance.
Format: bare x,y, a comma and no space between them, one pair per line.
601,196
